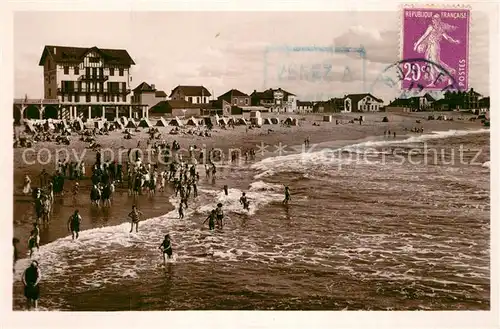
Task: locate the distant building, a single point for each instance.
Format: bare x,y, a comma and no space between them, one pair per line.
148,94
362,103
235,98
276,100
304,107
462,100
484,103
417,103
191,94
330,106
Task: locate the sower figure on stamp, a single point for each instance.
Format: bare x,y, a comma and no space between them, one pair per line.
429,45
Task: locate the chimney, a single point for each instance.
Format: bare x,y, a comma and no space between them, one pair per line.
153,87
55,50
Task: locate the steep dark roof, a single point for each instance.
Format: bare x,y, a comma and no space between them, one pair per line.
429,97
357,97
160,93
63,54
304,103
143,87
233,93
192,91
269,93
400,102
167,106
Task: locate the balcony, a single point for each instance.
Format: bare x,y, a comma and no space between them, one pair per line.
61,91
93,78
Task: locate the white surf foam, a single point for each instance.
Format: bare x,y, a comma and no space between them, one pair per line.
299,161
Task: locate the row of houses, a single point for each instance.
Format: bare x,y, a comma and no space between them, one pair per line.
96,82
453,100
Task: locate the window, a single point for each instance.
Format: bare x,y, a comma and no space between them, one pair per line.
66,70
111,71
77,70
124,86
124,98
198,100
97,97
77,98
69,98
94,59
121,72
50,92
246,101
235,101
190,99
87,98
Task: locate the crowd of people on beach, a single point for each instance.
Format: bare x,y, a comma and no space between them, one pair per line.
181,174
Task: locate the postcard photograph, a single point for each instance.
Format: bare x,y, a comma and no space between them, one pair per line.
252,160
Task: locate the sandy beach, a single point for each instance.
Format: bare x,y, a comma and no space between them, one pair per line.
224,139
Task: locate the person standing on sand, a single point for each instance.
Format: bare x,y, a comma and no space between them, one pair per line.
181,211
287,195
74,222
27,185
31,279
15,241
135,217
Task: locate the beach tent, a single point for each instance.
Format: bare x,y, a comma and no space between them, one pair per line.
291,121
207,121
131,124
48,126
29,127
123,120
78,124
175,122
161,122
145,123
275,121
242,121
223,121
385,119
267,121
65,124
192,122
99,124
117,124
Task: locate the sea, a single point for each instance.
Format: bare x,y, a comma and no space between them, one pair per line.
374,224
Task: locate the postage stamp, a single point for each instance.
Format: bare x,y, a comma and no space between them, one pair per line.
435,47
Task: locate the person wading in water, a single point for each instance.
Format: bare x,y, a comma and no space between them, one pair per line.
31,279
166,248
220,215
211,220
244,201
135,217
74,224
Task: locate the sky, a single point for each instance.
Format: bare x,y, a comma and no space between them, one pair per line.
226,50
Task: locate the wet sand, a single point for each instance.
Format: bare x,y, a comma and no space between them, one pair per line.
223,139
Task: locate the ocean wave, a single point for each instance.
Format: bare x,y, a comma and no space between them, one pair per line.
301,161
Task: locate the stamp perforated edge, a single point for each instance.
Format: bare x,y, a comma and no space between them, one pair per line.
442,5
